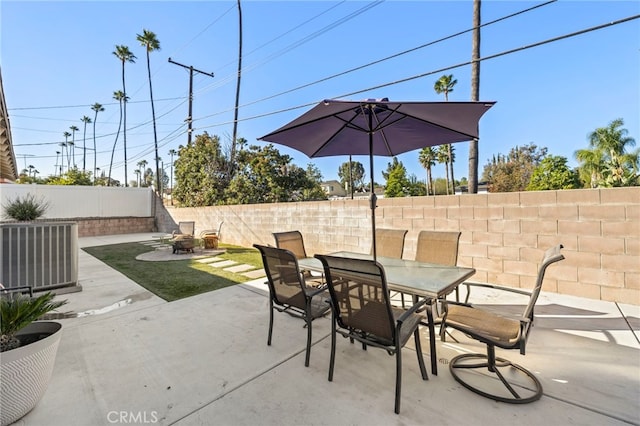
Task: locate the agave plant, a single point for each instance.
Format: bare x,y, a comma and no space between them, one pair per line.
25,208
18,312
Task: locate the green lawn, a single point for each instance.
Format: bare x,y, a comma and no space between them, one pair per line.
175,279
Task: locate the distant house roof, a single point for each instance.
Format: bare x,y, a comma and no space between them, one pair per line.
8,165
333,188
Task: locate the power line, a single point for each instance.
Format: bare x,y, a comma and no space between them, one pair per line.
404,80
431,43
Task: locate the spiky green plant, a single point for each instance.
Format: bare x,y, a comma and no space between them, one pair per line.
18,312
25,208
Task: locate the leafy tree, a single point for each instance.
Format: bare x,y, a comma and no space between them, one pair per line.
513,172
124,54
72,176
314,190
149,40
553,173
357,175
200,172
397,181
263,175
415,186
606,163
427,159
141,165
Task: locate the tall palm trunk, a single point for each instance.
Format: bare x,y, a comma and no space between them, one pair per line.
84,147
124,130
235,115
453,181
155,134
475,94
113,150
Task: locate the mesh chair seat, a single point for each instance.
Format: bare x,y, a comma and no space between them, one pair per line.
505,332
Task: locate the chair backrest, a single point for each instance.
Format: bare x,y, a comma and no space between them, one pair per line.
187,227
389,242
286,285
359,295
439,247
551,256
292,241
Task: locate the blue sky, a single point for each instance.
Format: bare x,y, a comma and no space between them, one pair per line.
57,61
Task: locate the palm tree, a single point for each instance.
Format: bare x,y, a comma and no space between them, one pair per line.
445,85
606,162
66,148
427,159
85,120
475,94
151,43
119,96
172,152
124,54
137,172
74,129
442,156
97,108
141,165
235,114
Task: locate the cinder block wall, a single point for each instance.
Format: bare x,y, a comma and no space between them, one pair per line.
503,236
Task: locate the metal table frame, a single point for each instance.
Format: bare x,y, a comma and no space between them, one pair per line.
419,279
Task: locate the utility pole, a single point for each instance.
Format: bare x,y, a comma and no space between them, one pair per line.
190,116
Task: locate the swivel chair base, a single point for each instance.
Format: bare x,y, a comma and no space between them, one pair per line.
524,389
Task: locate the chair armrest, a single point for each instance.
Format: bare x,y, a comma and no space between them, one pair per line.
494,287
411,310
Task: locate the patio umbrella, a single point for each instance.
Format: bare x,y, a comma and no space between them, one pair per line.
378,127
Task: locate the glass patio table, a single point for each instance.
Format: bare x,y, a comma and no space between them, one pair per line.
419,279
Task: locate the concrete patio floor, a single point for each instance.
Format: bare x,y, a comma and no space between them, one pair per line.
133,358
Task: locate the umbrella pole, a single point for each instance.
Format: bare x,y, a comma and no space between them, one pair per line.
372,200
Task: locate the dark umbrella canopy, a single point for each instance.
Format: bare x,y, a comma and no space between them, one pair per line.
379,127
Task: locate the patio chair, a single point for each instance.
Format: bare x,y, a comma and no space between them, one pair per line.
389,242
439,247
185,228
497,329
293,241
362,311
211,237
288,291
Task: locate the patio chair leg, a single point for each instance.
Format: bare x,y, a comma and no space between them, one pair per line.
308,354
398,377
333,347
423,369
270,321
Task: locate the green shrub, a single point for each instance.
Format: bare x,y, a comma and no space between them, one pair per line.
25,208
20,311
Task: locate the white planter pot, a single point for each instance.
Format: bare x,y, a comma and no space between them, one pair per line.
25,371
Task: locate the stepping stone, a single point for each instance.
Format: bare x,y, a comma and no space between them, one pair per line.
239,268
223,264
148,243
258,273
210,260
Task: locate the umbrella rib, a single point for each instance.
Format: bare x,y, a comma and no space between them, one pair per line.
347,123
